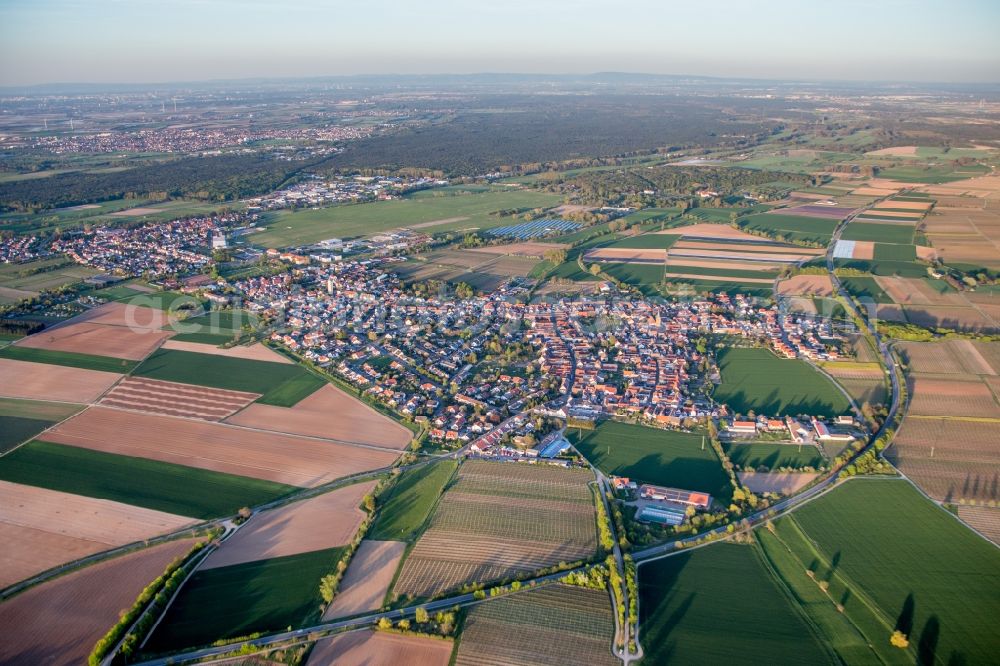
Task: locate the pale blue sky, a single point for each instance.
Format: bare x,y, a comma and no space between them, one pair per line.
177,40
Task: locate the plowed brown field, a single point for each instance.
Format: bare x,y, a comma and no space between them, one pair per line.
329,413
98,339
173,399
42,381
326,521
367,579
58,622
785,483
42,528
122,314
807,285
626,255
947,397
297,461
374,648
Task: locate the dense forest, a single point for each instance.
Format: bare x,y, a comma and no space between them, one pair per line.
539,129
627,186
221,178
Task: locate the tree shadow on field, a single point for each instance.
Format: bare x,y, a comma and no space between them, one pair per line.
834,563
927,648
904,622
661,605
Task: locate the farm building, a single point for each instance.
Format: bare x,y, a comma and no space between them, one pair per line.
743,427
687,497
823,433
664,515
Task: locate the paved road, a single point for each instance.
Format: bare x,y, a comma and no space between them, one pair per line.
339,626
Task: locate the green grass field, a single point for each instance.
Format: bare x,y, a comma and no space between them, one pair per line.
635,274
70,359
856,635
900,234
216,321
185,491
720,604
721,272
933,174
405,508
791,227
885,267
650,241
911,564
756,379
266,595
681,286
17,429
20,420
663,457
215,339
890,252
279,384
723,215
285,228
865,288
772,456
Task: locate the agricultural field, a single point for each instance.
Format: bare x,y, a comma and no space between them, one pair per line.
152,484
283,459
331,414
481,270
705,257
968,234
686,598
20,281
44,528
757,380
772,456
783,483
947,444
863,381
795,228
647,241
899,234
806,285
662,457
291,529
59,621
405,507
280,384
983,519
367,579
498,520
428,213
40,381
370,648
933,174
896,561
66,359
20,420
172,399
99,340
557,625
266,595
865,289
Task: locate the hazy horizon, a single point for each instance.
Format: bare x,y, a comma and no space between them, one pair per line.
144,42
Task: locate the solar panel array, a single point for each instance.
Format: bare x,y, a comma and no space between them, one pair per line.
534,229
